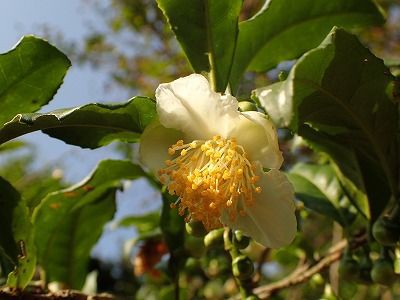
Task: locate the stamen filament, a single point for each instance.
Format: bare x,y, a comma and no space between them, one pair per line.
210,177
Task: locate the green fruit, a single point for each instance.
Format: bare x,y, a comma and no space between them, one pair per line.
386,232
349,268
218,266
192,265
247,106
214,238
383,272
242,267
196,228
239,240
252,297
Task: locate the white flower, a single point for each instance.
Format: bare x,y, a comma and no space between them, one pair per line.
212,157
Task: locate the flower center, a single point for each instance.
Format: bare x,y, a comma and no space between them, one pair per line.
210,177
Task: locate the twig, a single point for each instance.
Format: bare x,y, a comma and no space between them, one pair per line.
306,270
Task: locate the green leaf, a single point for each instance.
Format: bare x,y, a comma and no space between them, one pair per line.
144,223
173,228
320,190
285,29
24,235
336,97
16,239
207,31
9,199
87,126
12,146
347,169
30,75
69,222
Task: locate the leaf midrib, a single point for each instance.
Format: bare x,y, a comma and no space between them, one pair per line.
291,26
359,121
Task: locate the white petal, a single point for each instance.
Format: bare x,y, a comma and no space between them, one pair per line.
154,144
259,138
271,220
190,105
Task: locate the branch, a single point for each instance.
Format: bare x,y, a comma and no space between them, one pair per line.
305,271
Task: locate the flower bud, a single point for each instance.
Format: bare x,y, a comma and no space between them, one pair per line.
214,238
247,106
196,228
349,268
383,272
386,232
283,75
242,267
252,297
240,240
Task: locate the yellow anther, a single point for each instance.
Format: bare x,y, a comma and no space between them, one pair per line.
254,179
226,175
216,138
258,190
210,177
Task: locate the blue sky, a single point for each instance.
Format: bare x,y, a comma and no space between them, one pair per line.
75,19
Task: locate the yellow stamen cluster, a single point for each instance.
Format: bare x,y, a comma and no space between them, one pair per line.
210,177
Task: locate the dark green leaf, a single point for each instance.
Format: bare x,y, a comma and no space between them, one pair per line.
87,126
173,228
30,75
16,239
285,29
336,98
320,190
346,166
24,235
9,199
68,223
207,31
144,223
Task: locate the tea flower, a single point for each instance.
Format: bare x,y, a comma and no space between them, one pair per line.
212,157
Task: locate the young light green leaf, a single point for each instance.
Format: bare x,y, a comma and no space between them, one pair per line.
285,29
69,222
87,126
30,75
336,98
207,31
144,223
